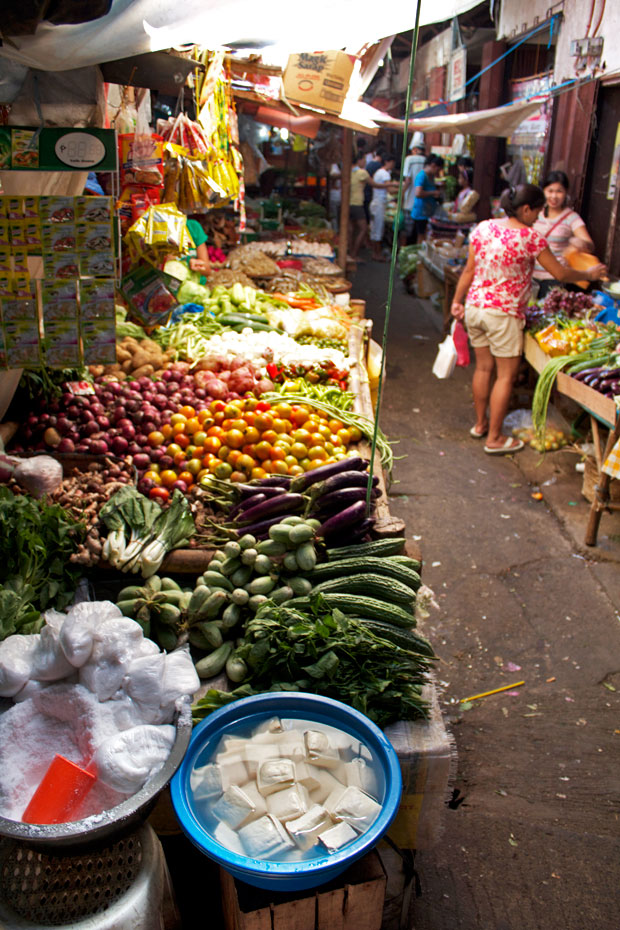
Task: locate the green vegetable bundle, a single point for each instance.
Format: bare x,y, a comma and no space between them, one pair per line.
36,544
326,652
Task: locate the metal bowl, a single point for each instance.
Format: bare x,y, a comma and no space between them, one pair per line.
107,826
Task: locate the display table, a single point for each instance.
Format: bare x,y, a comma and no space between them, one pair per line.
432,278
602,411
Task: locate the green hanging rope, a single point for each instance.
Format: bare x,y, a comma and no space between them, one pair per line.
388,306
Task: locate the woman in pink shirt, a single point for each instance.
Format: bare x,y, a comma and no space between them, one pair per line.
497,280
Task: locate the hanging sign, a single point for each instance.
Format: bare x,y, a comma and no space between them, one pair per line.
457,73
66,149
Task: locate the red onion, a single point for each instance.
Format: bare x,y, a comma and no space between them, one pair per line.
63,425
134,449
180,486
120,413
44,418
73,412
237,362
103,422
225,375
86,416
66,399
200,393
128,431
145,485
141,460
217,389
98,447
160,401
89,429
167,375
114,388
134,386
32,421
97,409
65,445
166,461
122,422
119,445
155,455
264,386
142,440
145,383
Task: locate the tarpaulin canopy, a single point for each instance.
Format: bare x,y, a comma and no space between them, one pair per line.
499,121
134,27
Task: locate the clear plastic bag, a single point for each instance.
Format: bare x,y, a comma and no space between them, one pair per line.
445,360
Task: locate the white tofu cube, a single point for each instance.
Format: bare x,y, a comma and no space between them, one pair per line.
255,753
267,738
327,784
271,725
360,775
305,829
291,745
337,837
319,750
333,799
228,838
356,808
231,744
206,782
306,776
274,775
232,768
233,808
289,803
260,806
265,838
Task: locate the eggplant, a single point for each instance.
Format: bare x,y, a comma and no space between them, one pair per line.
342,522
259,530
274,481
249,491
246,503
346,479
354,463
592,379
283,504
354,535
343,498
585,373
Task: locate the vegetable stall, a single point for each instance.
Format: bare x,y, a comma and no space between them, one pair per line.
192,469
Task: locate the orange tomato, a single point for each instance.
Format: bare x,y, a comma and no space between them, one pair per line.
262,406
344,436
173,449
263,421
237,476
252,434
283,410
233,456
305,463
245,463
301,435
295,470
204,415
278,454
154,467
299,450
182,440
231,410
223,470
168,477
234,438
238,424
193,466
291,461
281,426
279,468
249,448
257,473
202,474
324,430
316,452
152,476
200,437
187,477
177,418
299,415
217,406
269,435
268,466
180,459
188,411
212,444
250,402
262,450
218,418
178,427
215,431
356,434
167,430
335,425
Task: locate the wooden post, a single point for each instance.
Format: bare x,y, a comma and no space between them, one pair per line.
345,192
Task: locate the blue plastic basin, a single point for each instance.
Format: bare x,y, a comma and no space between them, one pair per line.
249,712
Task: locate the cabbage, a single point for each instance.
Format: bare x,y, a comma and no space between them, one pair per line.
192,293
177,269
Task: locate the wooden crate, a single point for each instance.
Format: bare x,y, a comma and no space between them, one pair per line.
353,901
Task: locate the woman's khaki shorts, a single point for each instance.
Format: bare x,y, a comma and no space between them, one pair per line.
499,331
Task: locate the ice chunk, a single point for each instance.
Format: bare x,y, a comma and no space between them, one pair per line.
16,653
265,838
305,830
115,642
206,782
126,761
49,662
319,750
337,837
327,784
77,634
233,808
356,808
289,803
275,774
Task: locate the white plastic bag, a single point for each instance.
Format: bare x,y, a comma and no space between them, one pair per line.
445,360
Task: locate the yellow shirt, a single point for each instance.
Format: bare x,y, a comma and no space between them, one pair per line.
359,178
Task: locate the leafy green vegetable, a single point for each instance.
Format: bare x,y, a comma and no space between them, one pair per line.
191,292
326,652
407,260
36,544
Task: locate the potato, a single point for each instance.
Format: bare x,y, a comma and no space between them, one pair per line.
149,344
127,365
96,370
142,357
170,355
129,341
122,354
143,370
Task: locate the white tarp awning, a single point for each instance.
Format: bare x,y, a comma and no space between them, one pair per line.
499,121
135,27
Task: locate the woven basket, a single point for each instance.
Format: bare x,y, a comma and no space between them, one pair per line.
590,478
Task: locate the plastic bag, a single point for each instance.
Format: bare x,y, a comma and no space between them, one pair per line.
462,345
445,361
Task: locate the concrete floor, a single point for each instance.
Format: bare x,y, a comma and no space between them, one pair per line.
531,838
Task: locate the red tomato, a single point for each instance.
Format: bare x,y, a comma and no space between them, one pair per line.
159,494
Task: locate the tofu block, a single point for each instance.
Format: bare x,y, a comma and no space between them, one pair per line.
291,745
228,838
327,784
305,829
233,769
265,838
356,808
255,753
319,750
289,803
359,774
333,799
260,805
233,808
274,775
306,775
337,837
272,725
231,744
206,782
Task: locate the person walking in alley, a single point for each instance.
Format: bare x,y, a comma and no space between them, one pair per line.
425,194
378,204
497,281
359,179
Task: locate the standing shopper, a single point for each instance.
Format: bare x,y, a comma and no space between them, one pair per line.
560,225
378,204
414,163
497,280
359,180
425,194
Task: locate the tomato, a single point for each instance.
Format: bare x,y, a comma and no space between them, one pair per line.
250,402
212,444
329,448
238,476
180,459
324,430
177,418
178,428
263,421
295,470
167,430
262,450
305,464
335,425
234,438
203,416
173,449
278,454
299,450
231,410
344,436
252,434
215,431
223,470
245,462
268,466
200,437
262,406
217,406
233,456
192,425
154,466
159,494
257,473
301,435
238,424
223,452
182,440
283,410
269,435
316,452
202,474
187,477
193,466
281,426
279,468
152,476
168,477
155,439
299,415
356,434
291,461
188,412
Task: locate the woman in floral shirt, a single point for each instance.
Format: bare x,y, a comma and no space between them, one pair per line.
497,280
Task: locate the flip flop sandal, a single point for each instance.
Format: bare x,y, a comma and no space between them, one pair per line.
474,432
508,448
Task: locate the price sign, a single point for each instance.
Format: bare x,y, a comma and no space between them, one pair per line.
79,150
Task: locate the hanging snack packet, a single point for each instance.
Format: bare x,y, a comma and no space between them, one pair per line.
141,159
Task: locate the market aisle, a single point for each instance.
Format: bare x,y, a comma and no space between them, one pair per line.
533,839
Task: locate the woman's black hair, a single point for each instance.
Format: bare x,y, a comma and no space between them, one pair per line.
525,195
469,174
555,177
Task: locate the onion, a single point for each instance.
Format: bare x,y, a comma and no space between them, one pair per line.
97,409
145,485
134,449
53,407
119,445
103,422
200,393
134,386
142,461
63,425
148,397
167,375
44,418
114,387
123,422
66,400
155,455
65,445
149,427
107,397
264,386
166,461
98,447
145,383
173,387
128,431
180,486
120,413
73,412
142,440
237,362
160,401
218,389
86,416
32,421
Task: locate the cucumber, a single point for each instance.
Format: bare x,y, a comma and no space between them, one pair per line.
231,616
211,633
248,556
168,614
230,566
241,576
414,564
232,549
211,607
198,598
240,596
406,639
215,565
280,532
301,534
199,640
213,664
359,605
301,586
388,567
263,564
217,580
163,635
281,595
172,597
153,585
169,584
290,562
129,608
247,542
293,521
378,547
130,593
371,585
256,601
236,669
261,585
306,557
270,547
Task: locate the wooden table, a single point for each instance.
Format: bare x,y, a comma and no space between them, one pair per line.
432,278
603,412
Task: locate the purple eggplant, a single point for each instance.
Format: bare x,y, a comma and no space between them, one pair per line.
283,504
352,536
585,373
343,521
247,503
354,463
346,479
274,481
343,498
248,491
